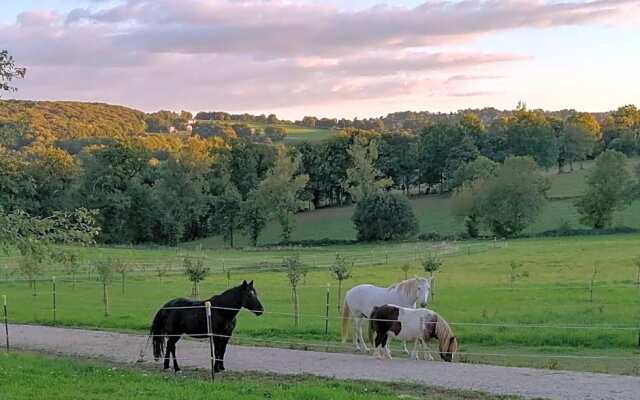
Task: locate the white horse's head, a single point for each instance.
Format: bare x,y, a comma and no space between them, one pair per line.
423,287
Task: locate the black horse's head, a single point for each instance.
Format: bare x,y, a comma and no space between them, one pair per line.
250,299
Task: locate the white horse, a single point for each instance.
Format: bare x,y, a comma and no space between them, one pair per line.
417,325
360,300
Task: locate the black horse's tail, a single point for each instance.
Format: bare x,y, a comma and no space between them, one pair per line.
158,334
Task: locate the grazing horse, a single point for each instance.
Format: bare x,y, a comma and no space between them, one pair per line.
361,299
419,325
184,316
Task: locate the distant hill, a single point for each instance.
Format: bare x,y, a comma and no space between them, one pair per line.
51,120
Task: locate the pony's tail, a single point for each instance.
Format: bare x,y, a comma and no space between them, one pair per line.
157,334
345,321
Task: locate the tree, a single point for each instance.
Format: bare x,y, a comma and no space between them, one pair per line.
275,133
580,134
36,236
226,212
295,270
443,148
105,269
609,188
385,216
121,268
196,272
530,133
71,264
253,217
341,272
281,190
30,267
363,179
479,169
512,199
9,71
432,263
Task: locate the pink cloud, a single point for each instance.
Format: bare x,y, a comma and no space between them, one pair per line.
245,55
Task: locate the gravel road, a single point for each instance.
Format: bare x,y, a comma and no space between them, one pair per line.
525,382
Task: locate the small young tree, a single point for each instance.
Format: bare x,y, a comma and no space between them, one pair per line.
104,269
294,269
30,267
516,273
341,272
405,268
121,268
196,272
71,264
636,261
594,274
432,263
162,271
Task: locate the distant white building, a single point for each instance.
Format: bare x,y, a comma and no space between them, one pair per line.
172,129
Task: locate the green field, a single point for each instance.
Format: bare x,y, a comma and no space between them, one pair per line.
294,133
27,376
546,315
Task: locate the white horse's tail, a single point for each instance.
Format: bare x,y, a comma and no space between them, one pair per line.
345,321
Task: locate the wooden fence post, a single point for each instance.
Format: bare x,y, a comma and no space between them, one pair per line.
326,315
53,285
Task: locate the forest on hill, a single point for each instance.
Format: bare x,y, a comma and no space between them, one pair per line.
180,186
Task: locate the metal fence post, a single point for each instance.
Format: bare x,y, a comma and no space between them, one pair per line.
207,304
326,314
6,321
53,284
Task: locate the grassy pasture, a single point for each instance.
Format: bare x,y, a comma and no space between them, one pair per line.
294,133
27,376
490,315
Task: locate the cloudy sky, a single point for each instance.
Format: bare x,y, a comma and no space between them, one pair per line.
329,58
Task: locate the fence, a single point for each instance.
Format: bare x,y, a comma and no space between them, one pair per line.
322,260
328,346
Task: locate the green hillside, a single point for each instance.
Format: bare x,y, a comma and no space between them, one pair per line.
434,215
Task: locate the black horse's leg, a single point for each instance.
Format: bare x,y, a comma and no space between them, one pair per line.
167,354
223,349
217,343
172,347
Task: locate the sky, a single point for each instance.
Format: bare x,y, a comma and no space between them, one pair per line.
335,58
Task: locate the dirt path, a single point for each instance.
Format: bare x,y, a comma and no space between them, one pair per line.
529,383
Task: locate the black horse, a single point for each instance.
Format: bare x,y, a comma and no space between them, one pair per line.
184,316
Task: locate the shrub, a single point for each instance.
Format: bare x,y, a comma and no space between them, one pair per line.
385,216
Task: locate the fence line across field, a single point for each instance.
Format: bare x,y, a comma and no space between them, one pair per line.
320,317
220,285
376,257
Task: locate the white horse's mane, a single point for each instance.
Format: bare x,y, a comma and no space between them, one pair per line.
409,287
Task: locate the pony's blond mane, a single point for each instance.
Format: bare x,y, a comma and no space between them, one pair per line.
444,333
409,287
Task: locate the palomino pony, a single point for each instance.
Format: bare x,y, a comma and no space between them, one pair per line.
361,299
184,316
419,325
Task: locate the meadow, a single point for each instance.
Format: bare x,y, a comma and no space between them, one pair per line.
542,314
27,376
294,133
